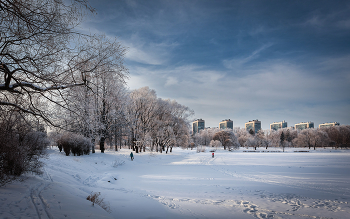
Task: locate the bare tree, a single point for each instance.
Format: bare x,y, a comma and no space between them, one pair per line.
41,53
98,106
205,136
227,138
164,122
339,136
142,108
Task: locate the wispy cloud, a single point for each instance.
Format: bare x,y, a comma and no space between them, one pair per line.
315,21
331,19
138,55
239,62
171,81
150,53
345,24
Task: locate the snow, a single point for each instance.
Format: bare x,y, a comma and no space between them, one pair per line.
186,184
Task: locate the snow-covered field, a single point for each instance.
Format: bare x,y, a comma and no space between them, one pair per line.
186,184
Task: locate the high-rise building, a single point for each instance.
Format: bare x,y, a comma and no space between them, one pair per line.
198,125
278,125
328,124
226,124
304,125
254,125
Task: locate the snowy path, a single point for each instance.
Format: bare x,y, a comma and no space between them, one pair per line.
38,201
185,184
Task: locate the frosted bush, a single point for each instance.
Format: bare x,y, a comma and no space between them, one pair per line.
20,149
74,143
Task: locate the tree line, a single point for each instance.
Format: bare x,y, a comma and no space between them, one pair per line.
335,136
112,116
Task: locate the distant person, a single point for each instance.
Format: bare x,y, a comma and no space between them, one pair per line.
212,155
132,156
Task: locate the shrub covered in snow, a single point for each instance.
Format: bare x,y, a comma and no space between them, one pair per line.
74,143
20,147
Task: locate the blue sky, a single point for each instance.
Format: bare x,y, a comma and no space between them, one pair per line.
243,60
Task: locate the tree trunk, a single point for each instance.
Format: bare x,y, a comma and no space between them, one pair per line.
93,145
133,144
102,144
120,142
115,138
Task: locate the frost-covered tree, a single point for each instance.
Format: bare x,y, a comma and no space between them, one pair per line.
276,139
215,143
251,142
97,111
141,110
243,136
37,56
261,139
227,138
303,139
319,138
164,121
170,114
339,135
205,136
282,137
312,138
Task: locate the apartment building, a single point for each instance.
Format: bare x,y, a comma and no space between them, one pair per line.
278,125
254,125
198,125
304,125
226,124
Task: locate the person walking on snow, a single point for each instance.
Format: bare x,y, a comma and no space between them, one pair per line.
132,156
212,155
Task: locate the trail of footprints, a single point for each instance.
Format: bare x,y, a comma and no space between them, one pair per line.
291,203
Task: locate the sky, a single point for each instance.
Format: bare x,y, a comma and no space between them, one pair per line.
239,60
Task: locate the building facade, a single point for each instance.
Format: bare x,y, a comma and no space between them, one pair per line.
254,125
198,125
226,124
328,124
278,125
304,125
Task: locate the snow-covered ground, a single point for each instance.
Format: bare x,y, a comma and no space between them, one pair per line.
186,184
